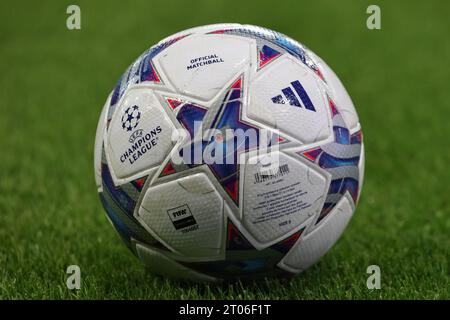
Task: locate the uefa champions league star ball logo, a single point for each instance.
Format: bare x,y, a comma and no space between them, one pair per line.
130,118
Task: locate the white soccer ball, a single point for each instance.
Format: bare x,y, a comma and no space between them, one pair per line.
229,151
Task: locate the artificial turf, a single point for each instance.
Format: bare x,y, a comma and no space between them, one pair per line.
53,83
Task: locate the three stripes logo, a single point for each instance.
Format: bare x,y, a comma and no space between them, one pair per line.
292,98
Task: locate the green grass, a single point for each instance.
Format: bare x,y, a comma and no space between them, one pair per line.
53,83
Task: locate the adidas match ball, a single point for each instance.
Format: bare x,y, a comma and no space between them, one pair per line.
229,151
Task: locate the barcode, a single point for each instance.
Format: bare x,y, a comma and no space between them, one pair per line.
270,174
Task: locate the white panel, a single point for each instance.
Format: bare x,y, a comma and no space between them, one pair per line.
310,248
298,122
141,143
163,265
185,214
201,65
99,142
280,193
361,166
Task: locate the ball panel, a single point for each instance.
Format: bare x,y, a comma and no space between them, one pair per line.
289,89
280,194
189,63
312,246
186,214
286,95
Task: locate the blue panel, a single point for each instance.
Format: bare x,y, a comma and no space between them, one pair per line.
290,96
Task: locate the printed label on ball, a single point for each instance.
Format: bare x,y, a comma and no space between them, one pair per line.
280,193
186,214
182,218
139,135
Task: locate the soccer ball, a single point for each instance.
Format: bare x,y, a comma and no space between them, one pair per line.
229,151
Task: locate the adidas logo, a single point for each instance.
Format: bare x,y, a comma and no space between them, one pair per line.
292,98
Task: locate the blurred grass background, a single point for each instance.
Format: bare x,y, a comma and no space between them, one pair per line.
53,83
